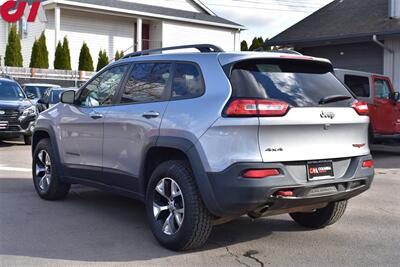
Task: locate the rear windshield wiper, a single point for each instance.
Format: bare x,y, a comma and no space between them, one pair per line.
333,98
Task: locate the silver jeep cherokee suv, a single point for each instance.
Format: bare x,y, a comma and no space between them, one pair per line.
203,138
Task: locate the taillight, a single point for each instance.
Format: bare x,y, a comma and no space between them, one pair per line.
258,174
361,107
256,107
368,164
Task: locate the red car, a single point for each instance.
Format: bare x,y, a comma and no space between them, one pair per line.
382,98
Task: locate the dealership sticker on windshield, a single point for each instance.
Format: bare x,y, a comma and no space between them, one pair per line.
318,170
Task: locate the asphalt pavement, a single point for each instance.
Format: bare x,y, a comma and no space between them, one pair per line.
94,228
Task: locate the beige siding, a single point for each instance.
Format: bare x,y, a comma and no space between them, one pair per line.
179,33
3,40
392,61
99,31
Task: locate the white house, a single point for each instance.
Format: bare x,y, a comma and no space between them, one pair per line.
128,25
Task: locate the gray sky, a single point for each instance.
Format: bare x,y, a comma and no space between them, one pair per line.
264,18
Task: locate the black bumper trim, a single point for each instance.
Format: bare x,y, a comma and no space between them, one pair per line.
235,196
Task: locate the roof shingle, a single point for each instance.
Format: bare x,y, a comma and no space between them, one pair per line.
341,19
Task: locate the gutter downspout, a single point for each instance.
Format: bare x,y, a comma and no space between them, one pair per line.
375,40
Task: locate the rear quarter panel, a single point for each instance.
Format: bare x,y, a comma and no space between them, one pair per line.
190,118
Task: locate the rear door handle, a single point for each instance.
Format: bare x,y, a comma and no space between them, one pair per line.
151,114
96,116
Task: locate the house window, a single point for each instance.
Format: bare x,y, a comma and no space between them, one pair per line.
359,85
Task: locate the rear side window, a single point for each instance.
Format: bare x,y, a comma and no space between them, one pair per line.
359,85
187,82
148,82
299,83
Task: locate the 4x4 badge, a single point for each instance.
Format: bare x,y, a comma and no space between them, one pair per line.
327,115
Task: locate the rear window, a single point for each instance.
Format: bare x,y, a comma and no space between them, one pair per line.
299,83
359,85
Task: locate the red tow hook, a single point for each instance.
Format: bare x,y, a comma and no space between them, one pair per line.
285,193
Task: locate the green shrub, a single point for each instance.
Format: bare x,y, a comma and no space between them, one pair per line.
244,46
59,58
13,57
67,54
102,61
119,55
34,55
85,59
43,54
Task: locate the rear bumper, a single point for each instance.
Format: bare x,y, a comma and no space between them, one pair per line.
235,195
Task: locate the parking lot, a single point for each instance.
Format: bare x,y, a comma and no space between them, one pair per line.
93,228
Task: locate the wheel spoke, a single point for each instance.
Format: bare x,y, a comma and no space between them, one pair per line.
181,211
161,189
178,218
39,170
47,176
175,192
41,157
47,160
42,182
157,209
169,227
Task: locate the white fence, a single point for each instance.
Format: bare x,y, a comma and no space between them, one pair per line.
45,74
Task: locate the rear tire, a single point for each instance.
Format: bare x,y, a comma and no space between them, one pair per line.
172,191
28,140
321,217
46,177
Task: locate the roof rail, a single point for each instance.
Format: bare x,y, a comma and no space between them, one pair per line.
203,48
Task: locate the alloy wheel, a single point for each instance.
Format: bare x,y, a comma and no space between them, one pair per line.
43,170
168,206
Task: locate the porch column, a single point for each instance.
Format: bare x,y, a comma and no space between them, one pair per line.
139,26
56,25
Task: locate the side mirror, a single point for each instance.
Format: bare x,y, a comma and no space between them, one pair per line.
395,96
68,97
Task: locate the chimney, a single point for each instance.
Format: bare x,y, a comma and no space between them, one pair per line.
394,9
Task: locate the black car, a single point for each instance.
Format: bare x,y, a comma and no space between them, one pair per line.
17,113
51,97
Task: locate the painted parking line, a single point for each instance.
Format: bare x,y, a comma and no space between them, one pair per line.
12,169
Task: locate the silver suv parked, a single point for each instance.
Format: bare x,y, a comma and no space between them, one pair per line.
203,138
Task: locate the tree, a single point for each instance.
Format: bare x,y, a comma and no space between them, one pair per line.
34,55
103,60
118,55
244,46
258,43
59,59
67,54
43,54
13,57
85,59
